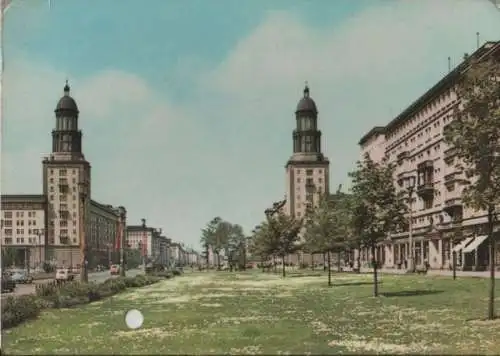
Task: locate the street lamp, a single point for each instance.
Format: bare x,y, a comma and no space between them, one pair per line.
83,190
410,186
144,243
121,231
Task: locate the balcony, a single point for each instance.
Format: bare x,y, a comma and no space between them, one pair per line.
64,239
63,214
402,156
425,189
428,164
63,187
449,154
453,206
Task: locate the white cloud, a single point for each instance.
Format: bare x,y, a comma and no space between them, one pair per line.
161,158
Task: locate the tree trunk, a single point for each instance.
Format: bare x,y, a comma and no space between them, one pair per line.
324,261
375,277
358,259
218,262
275,269
283,263
329,271
491,242
339,265
312,261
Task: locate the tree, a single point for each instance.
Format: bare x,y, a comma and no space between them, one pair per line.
474,134
259,244
8,256
234,243
283,235
378,208
210,237
327,227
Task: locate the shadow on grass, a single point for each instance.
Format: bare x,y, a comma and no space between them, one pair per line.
411,293
354,284
305,275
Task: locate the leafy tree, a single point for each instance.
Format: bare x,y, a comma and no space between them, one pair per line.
283,235
378,208
327,227
475,133
211,237
259,244
233,248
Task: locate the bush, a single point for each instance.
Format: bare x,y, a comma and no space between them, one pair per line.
16,310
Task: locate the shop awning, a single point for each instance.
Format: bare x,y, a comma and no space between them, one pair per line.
475,244
462,244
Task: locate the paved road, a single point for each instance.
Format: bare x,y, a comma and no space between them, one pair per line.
97,277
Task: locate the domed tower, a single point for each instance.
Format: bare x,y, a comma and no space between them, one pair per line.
66,184
66,137
307,170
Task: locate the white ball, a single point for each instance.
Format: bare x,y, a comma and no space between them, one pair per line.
134,319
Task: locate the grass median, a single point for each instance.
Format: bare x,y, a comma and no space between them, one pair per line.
262,313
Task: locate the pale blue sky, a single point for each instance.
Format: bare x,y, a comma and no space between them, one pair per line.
187,106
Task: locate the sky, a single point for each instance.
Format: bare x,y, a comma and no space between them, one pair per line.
187,107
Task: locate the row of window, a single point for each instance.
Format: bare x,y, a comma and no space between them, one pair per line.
8,223
63,172
428,110
308,172
19,214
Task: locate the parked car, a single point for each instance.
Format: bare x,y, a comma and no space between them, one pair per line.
115,269
8,285
64,275
21,277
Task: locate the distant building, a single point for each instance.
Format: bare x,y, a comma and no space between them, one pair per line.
149,241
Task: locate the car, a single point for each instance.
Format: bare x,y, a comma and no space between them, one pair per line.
115,269
64,275
8,285
21,277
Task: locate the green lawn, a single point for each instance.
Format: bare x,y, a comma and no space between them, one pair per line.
253,312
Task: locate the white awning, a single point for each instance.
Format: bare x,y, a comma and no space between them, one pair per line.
475,244
462,244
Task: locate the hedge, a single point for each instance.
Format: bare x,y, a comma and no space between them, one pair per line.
16,310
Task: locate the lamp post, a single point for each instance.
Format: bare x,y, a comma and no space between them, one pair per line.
39,234
410,186
144,243
83,190
121,228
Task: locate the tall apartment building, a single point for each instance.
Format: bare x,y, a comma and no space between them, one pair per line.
307,170
414,142
75,227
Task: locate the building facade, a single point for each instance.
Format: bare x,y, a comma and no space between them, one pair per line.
23,227
440,222
76,229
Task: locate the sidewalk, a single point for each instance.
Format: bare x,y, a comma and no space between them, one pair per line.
431,272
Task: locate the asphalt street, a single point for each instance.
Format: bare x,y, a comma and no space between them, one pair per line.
97,277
